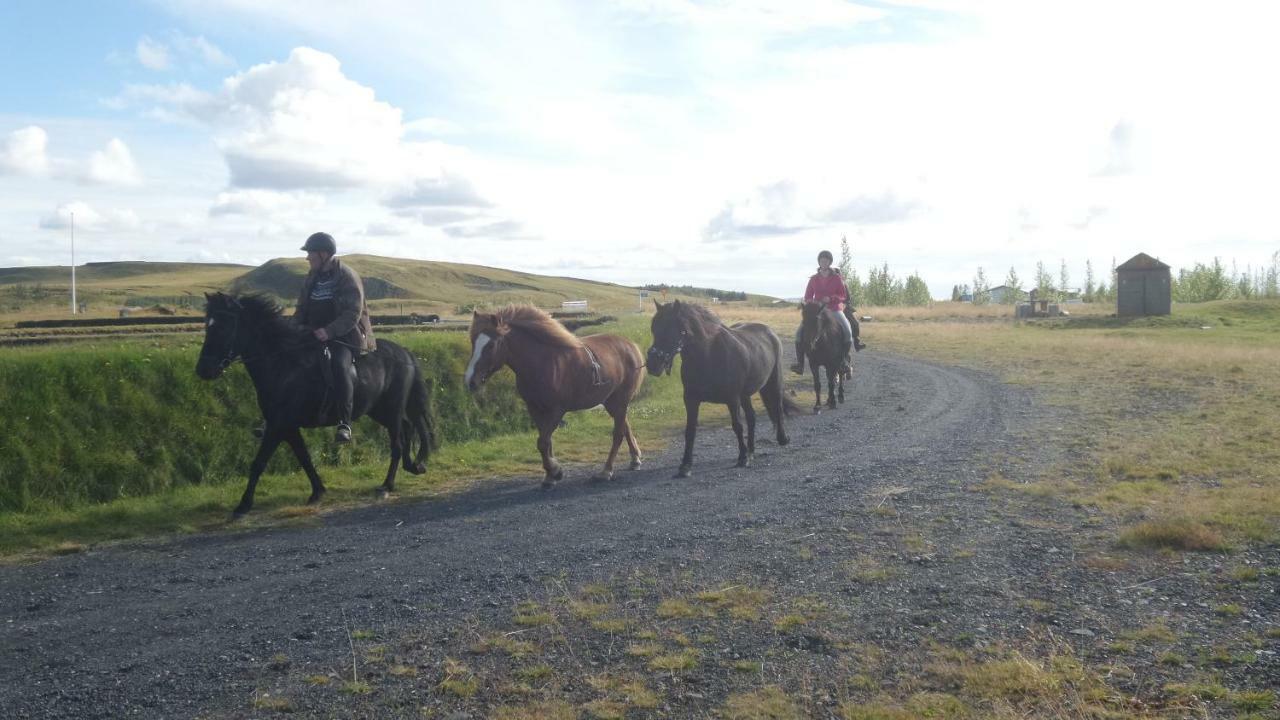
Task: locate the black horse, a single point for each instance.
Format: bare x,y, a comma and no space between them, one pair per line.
818,340
285,364
723,365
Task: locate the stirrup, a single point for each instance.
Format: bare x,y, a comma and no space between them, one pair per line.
343,433
259,431
858,345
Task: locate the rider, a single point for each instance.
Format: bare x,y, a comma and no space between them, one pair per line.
827,287
332,306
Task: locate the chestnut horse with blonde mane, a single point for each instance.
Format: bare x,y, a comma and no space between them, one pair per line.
556,371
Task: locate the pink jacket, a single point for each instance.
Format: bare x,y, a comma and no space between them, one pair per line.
831,286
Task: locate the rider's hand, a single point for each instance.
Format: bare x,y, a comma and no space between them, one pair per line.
321,334
825,299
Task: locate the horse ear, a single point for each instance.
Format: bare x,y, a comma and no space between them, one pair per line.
676,302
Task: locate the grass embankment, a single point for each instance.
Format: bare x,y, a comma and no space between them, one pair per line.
1176,427
123,440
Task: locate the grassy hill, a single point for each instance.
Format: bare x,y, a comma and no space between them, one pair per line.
442,286
392,285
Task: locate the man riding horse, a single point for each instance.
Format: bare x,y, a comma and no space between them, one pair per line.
827,287
332,306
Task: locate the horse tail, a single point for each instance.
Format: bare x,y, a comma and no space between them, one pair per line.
420,417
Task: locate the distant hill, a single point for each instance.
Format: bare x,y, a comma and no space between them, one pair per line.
442,284
414,284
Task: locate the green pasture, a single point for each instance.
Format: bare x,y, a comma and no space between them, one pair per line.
122,440
1175,427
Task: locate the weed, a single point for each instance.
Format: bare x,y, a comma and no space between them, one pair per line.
542,710
643,650
1245,574
1253,700
611,625
767,703
675,608
684,660
1176,534
317,680
1171,658
356,687
1229,610
534,673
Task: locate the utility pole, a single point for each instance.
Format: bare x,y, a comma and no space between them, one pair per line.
73,263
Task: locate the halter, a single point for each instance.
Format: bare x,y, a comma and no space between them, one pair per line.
669,355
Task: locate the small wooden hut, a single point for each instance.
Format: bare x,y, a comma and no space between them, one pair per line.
1143,287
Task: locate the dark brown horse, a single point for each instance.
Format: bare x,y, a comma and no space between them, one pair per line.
818,341
557,371
723,365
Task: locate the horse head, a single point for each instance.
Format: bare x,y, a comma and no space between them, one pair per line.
812,323
669,332
488,348
223,335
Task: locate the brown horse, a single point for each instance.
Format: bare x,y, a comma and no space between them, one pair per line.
721,365
818,340
557,371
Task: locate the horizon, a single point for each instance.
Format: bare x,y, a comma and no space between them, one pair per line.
715,145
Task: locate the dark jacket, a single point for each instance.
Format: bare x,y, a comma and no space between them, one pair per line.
352,323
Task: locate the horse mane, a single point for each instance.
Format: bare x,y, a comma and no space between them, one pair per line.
264,313
707,320
539,324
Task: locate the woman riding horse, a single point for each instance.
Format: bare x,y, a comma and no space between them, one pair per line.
827,287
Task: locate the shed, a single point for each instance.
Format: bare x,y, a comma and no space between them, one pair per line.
1144,287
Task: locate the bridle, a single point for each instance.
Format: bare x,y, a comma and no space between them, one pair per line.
230,357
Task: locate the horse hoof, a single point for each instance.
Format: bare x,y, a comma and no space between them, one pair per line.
635,465
383,493
783,440
548,483
417,468
684,471
602,477
237,515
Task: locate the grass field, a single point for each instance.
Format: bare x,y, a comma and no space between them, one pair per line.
1176,431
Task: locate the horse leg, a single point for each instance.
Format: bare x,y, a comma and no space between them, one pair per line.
840,388
619,432
817,388
832,374
735,415
396,435
690,433
268,446
294,438
771,395
749,413
547,423
632,446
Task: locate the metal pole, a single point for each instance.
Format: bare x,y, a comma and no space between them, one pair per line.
73,264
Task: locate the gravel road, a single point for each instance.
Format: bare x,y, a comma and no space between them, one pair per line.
209,625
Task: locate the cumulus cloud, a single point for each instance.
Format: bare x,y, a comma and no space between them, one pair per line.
89,219
873,209
264,203
447,190
770,211
151,54
192,50
497,230
113,165
22,152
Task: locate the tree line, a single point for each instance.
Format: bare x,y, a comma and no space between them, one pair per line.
1198,283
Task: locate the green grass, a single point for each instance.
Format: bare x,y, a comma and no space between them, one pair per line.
122,440
1176,425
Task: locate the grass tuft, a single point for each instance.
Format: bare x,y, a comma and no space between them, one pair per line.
1176,534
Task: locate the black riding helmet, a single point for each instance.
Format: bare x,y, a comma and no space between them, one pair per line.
826,254
321,242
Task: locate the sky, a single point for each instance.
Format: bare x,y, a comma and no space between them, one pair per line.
719,144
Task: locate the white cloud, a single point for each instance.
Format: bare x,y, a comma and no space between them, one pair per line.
87,218
265,203
23,152
151,54
447,190
113,165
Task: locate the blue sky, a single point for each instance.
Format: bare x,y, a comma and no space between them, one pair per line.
715,143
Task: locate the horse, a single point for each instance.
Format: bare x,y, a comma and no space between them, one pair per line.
723,365
819,339
556,371
284,361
